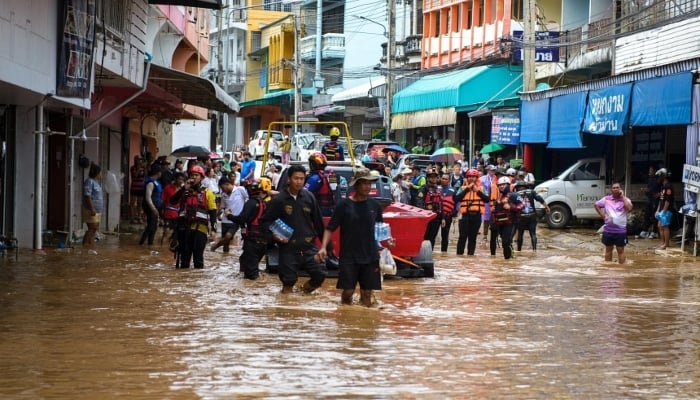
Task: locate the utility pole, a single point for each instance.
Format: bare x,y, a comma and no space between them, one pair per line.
318,79
529,81
390,55
219,76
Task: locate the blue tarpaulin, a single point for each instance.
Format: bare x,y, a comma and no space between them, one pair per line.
662,101
534,121
607,112
565,119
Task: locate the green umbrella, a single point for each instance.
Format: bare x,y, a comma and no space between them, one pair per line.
492,148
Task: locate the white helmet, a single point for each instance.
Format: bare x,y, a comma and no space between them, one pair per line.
511,172
504,180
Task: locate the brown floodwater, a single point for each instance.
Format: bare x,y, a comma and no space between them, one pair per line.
560,323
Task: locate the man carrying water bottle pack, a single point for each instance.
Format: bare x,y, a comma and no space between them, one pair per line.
359,259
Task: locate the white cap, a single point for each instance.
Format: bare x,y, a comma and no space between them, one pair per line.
662,171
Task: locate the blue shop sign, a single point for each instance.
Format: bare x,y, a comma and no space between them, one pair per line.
505,127
607,112
546,46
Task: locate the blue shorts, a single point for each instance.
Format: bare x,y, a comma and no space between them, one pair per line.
664,217
614,239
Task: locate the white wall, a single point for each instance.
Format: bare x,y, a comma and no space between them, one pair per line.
191,132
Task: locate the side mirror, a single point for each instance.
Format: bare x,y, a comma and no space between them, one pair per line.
572,176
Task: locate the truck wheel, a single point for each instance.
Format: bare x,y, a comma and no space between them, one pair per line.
558,217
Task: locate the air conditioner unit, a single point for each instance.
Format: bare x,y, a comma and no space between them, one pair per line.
254,58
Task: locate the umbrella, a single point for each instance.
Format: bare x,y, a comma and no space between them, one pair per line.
447,155
395,147
492,148
191,151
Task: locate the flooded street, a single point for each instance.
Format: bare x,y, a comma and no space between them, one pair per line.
560,323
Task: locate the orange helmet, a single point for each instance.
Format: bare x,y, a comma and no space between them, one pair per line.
317,161
473,172
197,170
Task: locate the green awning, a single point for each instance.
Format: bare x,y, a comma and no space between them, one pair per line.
463,90
277,97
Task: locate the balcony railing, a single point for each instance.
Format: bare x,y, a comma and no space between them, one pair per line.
332,47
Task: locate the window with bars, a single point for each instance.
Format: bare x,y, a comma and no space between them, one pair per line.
114,15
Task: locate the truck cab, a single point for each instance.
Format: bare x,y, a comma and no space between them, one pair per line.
573,192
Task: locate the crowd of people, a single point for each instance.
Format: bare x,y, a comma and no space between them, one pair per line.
205,203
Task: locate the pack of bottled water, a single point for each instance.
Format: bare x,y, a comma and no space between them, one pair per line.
382,231
280,229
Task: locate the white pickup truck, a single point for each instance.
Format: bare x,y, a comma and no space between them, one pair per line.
573,193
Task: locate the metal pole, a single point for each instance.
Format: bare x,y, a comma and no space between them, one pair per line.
38,178
389,66
296,71
318,79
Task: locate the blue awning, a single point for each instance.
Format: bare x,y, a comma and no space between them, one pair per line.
534,121
565,119
662,101
470,88
607,112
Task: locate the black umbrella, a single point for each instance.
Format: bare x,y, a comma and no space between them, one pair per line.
191,151
395,147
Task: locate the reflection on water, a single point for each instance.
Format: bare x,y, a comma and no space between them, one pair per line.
547,325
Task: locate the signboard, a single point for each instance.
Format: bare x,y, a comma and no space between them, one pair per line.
77,40
505,127
691,177
548,50
607,112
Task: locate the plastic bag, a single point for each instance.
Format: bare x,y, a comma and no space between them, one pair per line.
112,184
387,265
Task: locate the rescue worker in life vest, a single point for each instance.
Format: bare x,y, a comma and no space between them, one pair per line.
472,199
197,216
432,200
255,234
332,149
505,208
318,184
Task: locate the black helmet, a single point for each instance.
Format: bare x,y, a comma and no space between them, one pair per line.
253,187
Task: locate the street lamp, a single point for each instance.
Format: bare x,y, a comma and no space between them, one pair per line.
391,43
386,34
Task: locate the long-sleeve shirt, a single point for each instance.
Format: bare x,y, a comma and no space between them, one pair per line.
301,213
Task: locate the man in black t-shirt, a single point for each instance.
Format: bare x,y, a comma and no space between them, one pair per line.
359,252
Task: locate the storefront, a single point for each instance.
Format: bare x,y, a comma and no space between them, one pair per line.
634,120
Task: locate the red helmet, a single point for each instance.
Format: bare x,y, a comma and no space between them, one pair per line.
197,170
473,172
317,161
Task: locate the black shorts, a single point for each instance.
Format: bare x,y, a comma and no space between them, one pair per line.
367,275
226,228
614,239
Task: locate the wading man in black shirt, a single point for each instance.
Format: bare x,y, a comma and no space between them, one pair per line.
359,252
297,208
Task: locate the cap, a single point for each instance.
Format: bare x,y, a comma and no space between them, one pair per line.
362,174
661,171
491,167
431,172
407,171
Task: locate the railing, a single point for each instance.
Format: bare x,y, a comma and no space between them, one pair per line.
332,46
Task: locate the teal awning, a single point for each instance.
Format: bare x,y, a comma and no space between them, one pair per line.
463,90
278,97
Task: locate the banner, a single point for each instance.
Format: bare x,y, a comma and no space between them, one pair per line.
76,46
505,127
607,112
